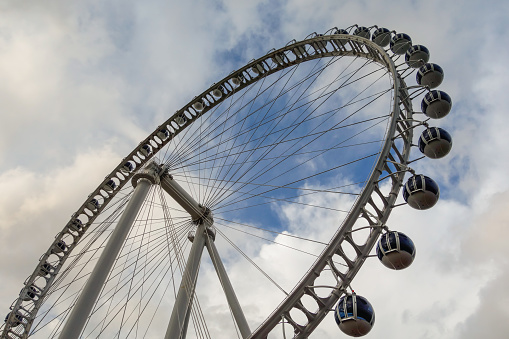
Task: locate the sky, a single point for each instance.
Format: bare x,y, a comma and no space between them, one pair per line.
83,83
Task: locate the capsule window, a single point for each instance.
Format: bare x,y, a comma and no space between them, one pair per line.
430,185
405,244
364,310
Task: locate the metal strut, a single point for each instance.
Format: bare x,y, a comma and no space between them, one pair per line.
204,236
81,310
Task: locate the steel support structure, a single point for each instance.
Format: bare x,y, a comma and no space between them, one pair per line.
229,292
204,237
81,310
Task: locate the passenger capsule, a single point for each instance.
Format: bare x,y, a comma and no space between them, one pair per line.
146,150
421,192
110,186
279,59
435,142
163,134
76,225
381,37
354,315
45,269
181,120
217,93
198,106
128,166
299,51
93,204
436,104
430,75
237,80
257,69
340,42
417,56
363,32
395,250
400,43
60,247
18,319
29,293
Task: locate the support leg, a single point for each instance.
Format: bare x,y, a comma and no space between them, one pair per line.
228,289
76,321
179,320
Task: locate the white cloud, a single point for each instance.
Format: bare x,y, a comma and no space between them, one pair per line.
83,84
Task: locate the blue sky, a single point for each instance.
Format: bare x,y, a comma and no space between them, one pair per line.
82,84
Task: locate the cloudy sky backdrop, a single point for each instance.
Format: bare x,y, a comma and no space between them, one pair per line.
82,83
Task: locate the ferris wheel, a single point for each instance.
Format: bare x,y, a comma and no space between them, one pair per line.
285,172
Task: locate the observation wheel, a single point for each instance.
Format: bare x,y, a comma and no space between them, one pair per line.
285,172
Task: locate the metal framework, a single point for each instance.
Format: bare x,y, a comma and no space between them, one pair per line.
372,205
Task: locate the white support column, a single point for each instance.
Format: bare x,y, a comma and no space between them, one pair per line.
179,320
81,310
177,327
229,292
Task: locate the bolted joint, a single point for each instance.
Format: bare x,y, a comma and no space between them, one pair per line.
210,231
205,218
151,172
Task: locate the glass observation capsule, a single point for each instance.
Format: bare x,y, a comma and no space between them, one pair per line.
417,56
363,32
45,269
163,134
436,104
29,293
128,166
430,75
110,186
93,204
381,37
400,43
60,247
181,120
354,315
76,225
421,192
395,250
17,321
435,142
146,150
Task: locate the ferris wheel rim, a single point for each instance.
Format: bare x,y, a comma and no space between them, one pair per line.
360,47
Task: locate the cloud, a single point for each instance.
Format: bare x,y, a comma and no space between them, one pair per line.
82,84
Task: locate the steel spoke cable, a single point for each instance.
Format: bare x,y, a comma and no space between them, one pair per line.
198,138
145,225
243,120
337,146
270,231
288,133
324,151
281,130
296,150
251,261
269,240
272,102
308,102
301,179
66,272
219,197
221,281
122,270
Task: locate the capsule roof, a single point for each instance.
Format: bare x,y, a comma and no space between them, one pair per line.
435,142
430,75
381,36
